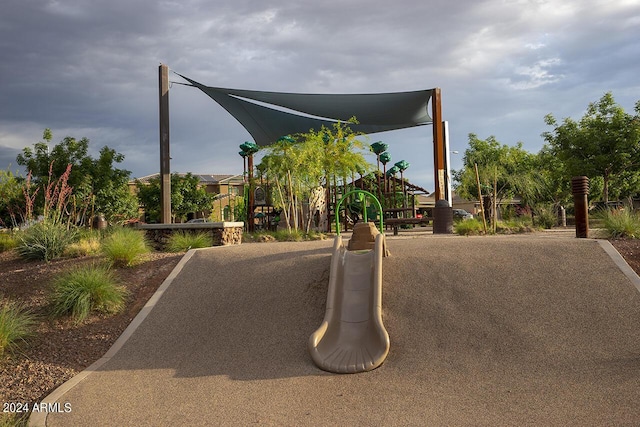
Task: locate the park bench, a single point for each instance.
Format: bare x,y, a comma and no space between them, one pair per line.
397,222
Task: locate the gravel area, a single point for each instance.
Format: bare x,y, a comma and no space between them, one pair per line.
60,349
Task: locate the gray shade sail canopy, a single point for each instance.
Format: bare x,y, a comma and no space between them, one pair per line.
376,112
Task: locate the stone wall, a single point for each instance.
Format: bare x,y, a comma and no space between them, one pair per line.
221,233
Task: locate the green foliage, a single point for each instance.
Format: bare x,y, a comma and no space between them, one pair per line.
85,246
604,143
282,236
8,241
45,241
504,172
314,159
183,241
545,216
239,209
470,227
621,223
124,246
48,238
96,183
515,226
16,325
83,290
509,168
186,197
11,199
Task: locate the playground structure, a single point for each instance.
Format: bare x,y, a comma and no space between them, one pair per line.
352,337
375,113
397,198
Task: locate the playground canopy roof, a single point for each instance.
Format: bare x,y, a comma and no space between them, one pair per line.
376,112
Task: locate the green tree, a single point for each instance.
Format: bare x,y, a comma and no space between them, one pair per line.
11,198
187,197
556,188
95,182
313,159
604,143
504,172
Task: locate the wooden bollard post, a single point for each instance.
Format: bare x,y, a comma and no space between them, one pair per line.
580,190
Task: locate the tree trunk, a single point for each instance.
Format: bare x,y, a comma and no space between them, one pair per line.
605,190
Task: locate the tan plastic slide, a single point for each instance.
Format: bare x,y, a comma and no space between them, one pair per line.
352,337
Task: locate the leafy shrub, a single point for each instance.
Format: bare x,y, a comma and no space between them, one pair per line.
124,246
7,242
16,324
183,241
469,227
83,290
45,241
621,223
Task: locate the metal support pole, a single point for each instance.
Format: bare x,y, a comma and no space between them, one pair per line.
165,168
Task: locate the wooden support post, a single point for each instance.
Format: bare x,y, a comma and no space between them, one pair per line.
438,145
484,219
165,168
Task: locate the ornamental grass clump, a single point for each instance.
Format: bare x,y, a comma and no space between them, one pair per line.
7,241
125,246
16,325
621,223
85,246
470,227
47,237
45,241
183,241
87,289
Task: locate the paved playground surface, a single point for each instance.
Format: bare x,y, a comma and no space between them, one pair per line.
514,330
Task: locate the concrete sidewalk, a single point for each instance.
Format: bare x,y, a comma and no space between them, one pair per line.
515,330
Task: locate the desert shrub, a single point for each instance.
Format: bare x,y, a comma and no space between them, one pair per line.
124,246
620,223
16,324
7,241
469,227
83,290
546,217
183,241
45,241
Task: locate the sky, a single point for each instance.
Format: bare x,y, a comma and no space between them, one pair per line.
88,68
